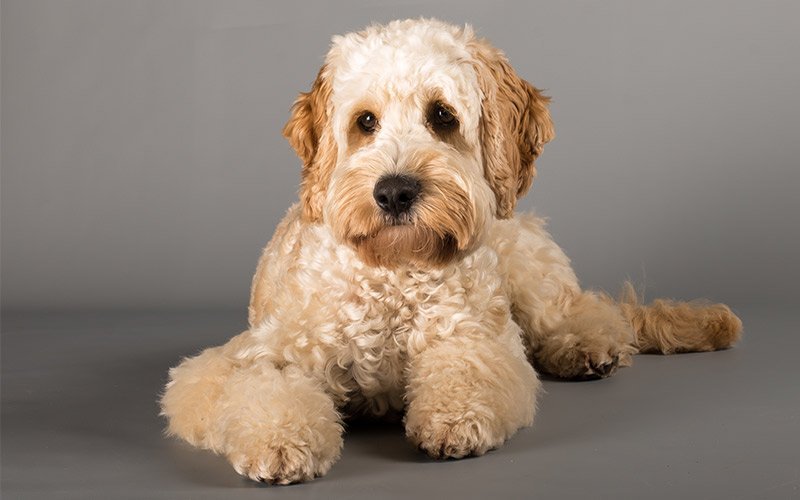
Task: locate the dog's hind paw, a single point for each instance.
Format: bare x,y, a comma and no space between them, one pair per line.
600,366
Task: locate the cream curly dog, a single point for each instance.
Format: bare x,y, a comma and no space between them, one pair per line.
403,281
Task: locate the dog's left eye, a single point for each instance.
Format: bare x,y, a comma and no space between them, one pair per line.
441,117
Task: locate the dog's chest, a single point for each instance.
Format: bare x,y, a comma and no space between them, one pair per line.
380,323
359,327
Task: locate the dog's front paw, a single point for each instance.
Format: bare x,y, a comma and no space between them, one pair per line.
284,455
277,426
467,396
283,463
284,449
451,436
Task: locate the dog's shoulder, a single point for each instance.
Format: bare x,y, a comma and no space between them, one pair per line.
281,254
508,232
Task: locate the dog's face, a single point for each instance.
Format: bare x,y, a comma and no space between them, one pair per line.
414,137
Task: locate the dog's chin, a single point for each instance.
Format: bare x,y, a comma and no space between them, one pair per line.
399,245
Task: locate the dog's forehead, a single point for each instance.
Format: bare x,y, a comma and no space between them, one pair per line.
402,59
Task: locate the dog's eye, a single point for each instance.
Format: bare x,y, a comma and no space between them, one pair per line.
367,122
441,117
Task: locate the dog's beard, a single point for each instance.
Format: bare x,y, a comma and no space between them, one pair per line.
441,227
411,240
397,245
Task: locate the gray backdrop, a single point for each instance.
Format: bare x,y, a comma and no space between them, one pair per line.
143,170
143,166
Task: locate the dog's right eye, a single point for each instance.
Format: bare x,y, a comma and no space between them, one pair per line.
367,122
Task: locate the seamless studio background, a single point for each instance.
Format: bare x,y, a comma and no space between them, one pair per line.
143,170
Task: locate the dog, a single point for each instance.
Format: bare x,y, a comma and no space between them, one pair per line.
403,283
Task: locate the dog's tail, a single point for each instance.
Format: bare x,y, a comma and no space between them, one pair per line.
666,326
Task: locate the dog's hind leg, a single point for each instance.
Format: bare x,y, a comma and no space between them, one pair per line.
596,334
591,340
569,333
579,334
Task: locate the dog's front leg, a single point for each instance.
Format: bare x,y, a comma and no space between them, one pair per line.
467,395
274,425
278,426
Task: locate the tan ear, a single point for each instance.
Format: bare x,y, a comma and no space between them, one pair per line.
515,126
309,133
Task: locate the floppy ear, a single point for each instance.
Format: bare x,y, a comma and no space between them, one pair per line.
309,133
515,126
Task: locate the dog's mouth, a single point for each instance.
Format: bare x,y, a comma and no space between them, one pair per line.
406,219
402,242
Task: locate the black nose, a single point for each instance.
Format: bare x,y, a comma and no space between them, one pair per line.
396,193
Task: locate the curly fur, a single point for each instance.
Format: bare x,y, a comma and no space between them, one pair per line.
439,316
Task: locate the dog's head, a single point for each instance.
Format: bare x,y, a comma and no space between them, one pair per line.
414,137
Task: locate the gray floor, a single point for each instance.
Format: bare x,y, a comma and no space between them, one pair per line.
79,420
